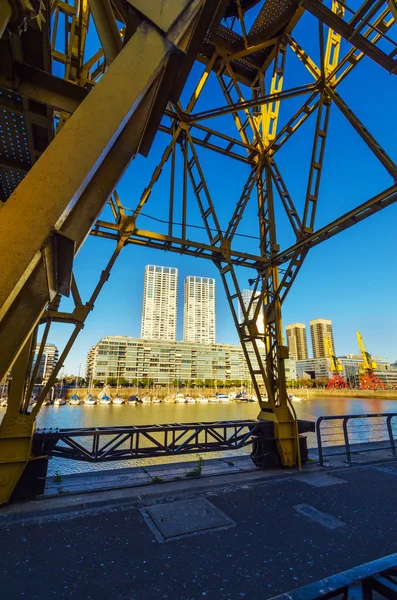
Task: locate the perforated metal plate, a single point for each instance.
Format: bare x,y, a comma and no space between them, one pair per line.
14,150
273,16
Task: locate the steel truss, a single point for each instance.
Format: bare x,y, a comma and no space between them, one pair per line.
102,444
242,61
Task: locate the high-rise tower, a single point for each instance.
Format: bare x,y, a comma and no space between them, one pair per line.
320,329
159,303
297,341
199,310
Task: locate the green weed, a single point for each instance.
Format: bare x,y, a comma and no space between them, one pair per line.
198,469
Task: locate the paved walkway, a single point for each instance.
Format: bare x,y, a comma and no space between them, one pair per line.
262,533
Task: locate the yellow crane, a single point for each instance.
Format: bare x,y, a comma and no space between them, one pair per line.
336,381
368,379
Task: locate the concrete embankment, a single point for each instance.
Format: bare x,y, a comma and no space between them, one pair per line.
311,394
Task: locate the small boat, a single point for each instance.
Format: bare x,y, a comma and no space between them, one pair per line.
156,400
75,400
241,397
169,400
190,400
105,400
47,402
223,398
58,401
118,400
180,399
294,398
89,400
146,400
213,399
133,400
202,399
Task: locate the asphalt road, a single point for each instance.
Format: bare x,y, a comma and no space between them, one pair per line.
273,547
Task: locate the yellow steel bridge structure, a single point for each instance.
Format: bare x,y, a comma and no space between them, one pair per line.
71,122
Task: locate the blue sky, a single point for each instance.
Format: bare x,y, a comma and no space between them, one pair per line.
350,279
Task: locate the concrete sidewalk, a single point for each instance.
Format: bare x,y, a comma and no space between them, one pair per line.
243,535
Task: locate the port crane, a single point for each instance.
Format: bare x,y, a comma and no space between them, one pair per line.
75,115
368,379
336,381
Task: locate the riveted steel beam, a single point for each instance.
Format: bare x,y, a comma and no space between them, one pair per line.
74,179
40,86
354,216
125,84
351,34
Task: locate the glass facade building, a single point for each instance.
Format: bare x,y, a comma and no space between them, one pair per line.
199,310
297,341
163,362
320,329
159,303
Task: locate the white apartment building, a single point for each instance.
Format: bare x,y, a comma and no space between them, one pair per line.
297,341
159,303
199,310
48,361
164,362
320,329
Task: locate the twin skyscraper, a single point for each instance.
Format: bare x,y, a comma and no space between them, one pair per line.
160,302
160,310
319,330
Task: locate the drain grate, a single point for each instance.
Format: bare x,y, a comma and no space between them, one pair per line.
183,518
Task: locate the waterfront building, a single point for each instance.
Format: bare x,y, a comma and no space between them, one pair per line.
297,341
165,362
199,310
387,376
159,309
351,363
48,361
290,369
320,329
313,368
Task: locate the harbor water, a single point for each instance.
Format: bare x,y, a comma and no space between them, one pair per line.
147,414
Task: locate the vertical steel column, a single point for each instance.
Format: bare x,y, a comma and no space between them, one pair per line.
125,97
5,15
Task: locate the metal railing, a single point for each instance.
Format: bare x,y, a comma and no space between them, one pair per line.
375,579
347,434
103,444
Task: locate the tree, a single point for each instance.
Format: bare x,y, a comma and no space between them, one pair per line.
70,380
123,381
112,381
145,382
